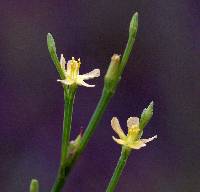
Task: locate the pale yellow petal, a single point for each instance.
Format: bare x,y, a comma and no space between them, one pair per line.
137,145
149,139
80,81
117,128
91,74
133,122
69,68
119,141
62,62
65,82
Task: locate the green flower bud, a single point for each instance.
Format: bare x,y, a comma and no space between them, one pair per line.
133,25
34,186
113,69
146,116
52,51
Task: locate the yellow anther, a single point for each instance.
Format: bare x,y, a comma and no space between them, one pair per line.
133,131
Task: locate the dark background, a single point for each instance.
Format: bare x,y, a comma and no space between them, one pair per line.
164,67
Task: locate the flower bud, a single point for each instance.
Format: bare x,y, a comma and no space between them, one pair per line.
34,186
113,69
146,116
133,25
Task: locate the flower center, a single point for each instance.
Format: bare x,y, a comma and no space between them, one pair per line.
133,133
73,68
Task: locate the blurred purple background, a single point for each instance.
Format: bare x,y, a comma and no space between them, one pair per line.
164,67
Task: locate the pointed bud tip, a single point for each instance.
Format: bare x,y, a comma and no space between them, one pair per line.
49,35
50,39
50,42
135,17
151,104
136,14
133,25
150,107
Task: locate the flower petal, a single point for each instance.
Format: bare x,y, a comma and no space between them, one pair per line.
137,145
149,139
91,74
119,141
62,61
133,122
69,68
117,128
65,82
80,81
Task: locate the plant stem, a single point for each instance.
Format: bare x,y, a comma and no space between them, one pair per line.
118,169
96,117
109,89
65,168
68,110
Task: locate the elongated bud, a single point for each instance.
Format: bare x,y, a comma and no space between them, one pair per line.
113,69
34,186
52,51
51,43
133,25
146,116
131,39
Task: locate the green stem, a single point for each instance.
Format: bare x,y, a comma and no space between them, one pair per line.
96,117
68,110
118,170
60,180
110,86
65,168
107,93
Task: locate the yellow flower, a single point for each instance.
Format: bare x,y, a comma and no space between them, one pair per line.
72,73
132,139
